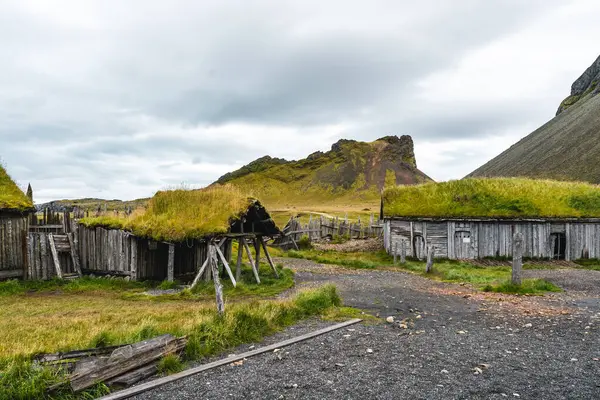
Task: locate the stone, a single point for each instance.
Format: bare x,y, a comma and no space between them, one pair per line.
369,350
527,326
390,319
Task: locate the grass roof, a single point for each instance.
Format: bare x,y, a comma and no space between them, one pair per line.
494,198
176,215
11,197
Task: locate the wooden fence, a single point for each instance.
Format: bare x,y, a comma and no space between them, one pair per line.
321,227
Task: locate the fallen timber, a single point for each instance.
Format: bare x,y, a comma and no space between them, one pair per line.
124,366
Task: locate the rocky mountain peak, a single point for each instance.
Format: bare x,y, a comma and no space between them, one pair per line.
587,83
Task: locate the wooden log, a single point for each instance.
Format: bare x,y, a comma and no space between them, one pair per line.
254,269
257,253
74,253
238,265
133,260
123,360
171,264
217,281
226,265
430,254
269,259
201,270
133,377
517,261
54,256
74,354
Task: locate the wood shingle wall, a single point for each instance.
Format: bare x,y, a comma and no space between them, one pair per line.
470,239
13,245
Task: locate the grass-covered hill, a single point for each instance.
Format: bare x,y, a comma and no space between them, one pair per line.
11,197
494,198
350,175
565,148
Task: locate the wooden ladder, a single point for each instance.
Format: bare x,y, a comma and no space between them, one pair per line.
64,244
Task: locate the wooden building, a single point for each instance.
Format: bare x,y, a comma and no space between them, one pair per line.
161,254
15,208
476,219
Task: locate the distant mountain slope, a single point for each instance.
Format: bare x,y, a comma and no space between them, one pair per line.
565,148
351,172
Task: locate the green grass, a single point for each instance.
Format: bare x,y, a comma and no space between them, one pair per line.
444,270
52,317
84,284
170,364
11,197
177,215
528,286
494,198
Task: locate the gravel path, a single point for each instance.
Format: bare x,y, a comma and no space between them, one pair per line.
447,342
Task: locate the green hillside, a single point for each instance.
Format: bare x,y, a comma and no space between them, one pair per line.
349,177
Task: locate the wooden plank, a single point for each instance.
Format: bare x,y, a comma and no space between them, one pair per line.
249,254
54,256
171,263
74,254
11,273
226,265
269,259
127,393
199,274
133,260
238,265
517,263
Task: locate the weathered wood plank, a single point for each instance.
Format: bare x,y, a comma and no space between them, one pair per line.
54,256
269,259
74,255
171,263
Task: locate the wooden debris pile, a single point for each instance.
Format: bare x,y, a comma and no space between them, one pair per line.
117,366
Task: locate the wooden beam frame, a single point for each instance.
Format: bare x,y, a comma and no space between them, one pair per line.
226,265
254,269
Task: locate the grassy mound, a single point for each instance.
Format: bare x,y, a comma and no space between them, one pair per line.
494,198
11,197
176,215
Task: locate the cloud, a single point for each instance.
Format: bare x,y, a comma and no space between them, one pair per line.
120,99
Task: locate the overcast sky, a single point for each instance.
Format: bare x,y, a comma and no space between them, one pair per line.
117,99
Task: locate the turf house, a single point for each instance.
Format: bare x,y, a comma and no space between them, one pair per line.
477,218
15,208
174,236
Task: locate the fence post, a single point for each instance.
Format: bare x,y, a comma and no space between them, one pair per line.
517,263
430,254
395,250
403,252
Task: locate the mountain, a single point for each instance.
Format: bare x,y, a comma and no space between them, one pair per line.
351,173
566,147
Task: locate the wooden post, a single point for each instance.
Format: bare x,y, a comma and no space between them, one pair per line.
73,242
430,254
218,287
226,265
257,253
55,256
517,263
238,266
171,264
395,250
403,252
249,254
269,259
201,270
133,261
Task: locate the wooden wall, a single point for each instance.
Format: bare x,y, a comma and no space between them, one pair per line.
40,262
115,252
465,239
13,245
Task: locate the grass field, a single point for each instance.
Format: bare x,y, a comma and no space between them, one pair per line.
484,278
57,316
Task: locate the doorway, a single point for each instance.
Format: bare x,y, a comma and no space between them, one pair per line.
558,246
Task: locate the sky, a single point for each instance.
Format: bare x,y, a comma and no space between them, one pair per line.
119,99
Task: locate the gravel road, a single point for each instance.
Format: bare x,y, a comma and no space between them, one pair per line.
447,341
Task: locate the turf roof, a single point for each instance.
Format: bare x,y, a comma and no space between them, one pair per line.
11,197
176,215
494,198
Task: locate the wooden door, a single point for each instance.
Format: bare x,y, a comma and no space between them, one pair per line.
463,248
419,247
